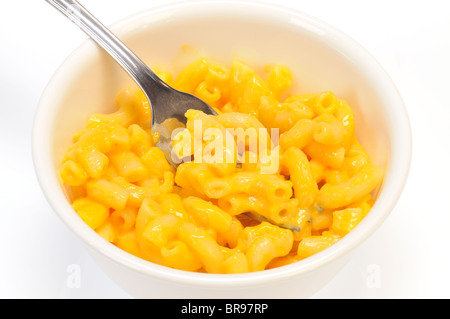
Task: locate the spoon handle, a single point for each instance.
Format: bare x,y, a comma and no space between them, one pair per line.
138,70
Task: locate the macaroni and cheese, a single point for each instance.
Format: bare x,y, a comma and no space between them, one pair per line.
232,215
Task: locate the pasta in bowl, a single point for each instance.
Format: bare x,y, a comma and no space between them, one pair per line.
315,162
314,187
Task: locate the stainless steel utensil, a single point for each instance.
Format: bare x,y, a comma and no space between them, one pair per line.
166,102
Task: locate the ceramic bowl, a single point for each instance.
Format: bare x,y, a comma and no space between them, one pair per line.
320,58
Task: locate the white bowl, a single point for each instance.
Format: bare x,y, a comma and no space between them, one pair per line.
320,57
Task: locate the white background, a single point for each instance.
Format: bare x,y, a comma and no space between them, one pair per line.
410,253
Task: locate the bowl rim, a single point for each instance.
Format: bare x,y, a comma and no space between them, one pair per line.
394,182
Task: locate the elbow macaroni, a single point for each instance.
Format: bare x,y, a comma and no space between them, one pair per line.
194,217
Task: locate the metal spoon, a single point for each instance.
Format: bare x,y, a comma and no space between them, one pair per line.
166,102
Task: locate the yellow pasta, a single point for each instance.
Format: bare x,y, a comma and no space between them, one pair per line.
156,163
129,166
217,79
172,204
108,193
272,179
204,246
136,194
92,212
191,76
176,254
300,135
344,114
236,264
208,214
328,130
345,220
92,160
123,220
322,103
128,242
266,242
315,244
344,194
274,114
278,79
305,187
161,230
73,174
209,95
329,155
140,141
108,231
